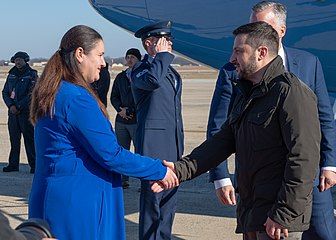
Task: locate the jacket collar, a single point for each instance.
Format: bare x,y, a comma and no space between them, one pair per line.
274,69
15,71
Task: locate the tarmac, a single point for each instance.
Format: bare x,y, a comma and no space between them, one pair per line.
199,214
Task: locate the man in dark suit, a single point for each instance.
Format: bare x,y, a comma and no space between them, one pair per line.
308,68
157,88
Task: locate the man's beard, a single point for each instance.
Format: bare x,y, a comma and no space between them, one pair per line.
249,69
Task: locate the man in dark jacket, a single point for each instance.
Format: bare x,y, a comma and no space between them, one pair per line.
307,68
17,95
274,130
123,102
157,89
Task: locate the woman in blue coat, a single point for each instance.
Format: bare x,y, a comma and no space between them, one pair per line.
77,182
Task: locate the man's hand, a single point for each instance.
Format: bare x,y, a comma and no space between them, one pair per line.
169,165
327,180
13,110
226,195
163,45
122,113
169,181
274,229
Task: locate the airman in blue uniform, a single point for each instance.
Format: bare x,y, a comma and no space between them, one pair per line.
157,88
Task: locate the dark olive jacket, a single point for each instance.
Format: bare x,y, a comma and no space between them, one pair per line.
6,232
274,131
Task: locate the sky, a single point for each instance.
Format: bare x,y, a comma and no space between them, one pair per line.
37,26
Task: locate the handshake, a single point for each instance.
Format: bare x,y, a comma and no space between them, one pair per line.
169,181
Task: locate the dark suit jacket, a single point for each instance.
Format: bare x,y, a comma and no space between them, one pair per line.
158,105
308,69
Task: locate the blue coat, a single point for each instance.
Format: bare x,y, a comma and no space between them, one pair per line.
77,182
297,60
158,105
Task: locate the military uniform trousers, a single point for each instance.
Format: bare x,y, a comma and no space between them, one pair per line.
158,211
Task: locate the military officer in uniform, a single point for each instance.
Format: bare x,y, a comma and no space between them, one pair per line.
157,88
16,95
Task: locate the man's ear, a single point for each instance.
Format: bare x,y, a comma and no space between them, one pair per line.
79,54
262,52
147,43
282,31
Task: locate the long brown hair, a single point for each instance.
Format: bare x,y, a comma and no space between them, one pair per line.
63,66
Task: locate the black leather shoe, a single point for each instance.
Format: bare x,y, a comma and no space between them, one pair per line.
10,169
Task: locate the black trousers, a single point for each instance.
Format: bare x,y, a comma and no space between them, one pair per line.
19,125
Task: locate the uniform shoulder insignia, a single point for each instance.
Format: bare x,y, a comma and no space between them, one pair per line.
139,69
141,73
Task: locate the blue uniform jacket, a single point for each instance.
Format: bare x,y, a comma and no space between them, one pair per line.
77,182
297,62
158,104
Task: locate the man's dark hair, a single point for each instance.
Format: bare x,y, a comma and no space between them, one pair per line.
260,34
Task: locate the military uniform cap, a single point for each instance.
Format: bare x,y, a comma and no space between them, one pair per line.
154,29
22,55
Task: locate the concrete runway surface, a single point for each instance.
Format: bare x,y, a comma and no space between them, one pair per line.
199,214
